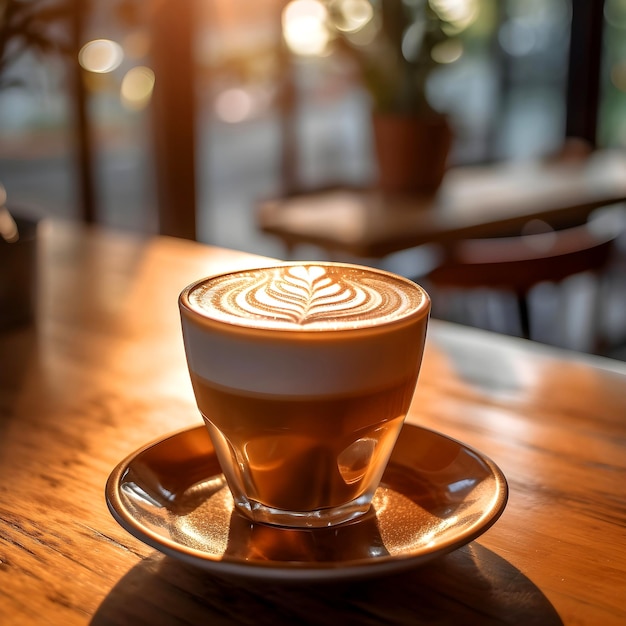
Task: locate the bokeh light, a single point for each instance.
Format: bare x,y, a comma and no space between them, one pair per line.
412,41
305,27
458,13
101,56
618,75
352,15
447,51
517,37
615,13
234,105
137,87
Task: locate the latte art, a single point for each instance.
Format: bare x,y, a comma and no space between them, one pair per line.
305,296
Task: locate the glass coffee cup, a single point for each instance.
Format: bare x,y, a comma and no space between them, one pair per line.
303,374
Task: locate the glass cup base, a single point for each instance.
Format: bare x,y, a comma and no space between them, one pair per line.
319,518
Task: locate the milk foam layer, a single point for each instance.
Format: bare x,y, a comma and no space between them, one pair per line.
306,297
359,330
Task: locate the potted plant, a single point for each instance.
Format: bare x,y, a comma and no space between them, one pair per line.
28,25
395,45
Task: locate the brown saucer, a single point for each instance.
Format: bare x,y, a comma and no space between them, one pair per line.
437,494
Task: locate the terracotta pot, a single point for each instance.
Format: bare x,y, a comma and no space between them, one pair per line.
411,152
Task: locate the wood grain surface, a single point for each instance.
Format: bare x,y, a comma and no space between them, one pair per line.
102,372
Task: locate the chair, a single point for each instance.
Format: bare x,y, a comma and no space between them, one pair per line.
516,265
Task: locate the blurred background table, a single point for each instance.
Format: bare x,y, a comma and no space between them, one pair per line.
476,201
103,371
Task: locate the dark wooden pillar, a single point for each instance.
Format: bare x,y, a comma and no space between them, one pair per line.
585,61
84,148
174,116
287,106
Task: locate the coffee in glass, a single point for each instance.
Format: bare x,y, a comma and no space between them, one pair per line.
304,373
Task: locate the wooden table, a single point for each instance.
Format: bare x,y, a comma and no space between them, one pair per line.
472,202
103,372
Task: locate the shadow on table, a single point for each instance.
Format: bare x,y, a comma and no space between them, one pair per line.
469,586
